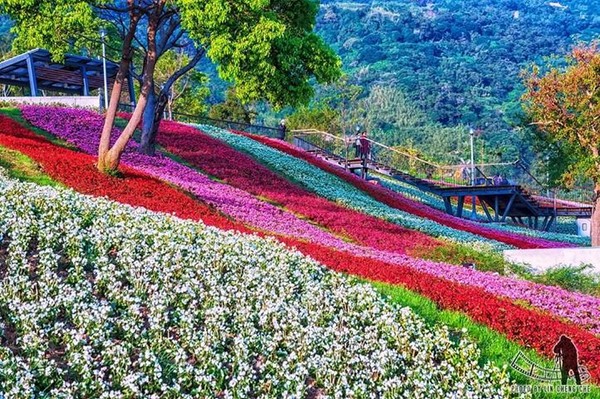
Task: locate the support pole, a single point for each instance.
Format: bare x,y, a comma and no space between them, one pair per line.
448,205
131,89
509,207
545,222
496,208
32,76
473,198
86,83
487,211
550,221
459,206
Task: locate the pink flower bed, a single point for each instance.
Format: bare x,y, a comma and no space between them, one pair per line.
580,309
241,171
82,127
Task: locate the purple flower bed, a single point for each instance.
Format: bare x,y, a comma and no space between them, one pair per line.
82,129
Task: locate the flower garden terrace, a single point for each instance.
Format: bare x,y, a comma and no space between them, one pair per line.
236,183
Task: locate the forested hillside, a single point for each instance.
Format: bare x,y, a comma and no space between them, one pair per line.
430,69
458,62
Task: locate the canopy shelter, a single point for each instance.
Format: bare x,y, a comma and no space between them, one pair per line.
75,75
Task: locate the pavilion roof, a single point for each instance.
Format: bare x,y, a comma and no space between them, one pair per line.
66,76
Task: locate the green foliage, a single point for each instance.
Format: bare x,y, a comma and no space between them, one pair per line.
21,167
387,115
581,279
192,100
59,26
388,108
321,118
341,96
267,49
458,254
188,95
232,109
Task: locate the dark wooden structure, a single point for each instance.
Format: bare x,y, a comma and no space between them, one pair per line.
499,202
75,75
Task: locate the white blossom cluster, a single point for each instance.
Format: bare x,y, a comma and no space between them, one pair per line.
102,300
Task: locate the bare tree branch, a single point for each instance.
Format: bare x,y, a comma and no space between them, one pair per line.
183,70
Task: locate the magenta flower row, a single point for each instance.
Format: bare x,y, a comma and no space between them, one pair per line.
81,128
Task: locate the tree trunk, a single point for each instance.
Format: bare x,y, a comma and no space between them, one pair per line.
109,161
152,116
146,143
104,161
595,221
170,105
155,108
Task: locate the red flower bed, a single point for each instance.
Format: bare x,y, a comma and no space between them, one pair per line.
78,170
524,326
398,201
242,171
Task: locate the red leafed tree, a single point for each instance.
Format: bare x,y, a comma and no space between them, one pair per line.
564,104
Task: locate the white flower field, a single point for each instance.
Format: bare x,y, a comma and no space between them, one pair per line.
102,300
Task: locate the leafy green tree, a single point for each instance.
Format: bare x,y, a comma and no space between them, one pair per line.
320,117
342,97
332,109
267,49
232,109
564,105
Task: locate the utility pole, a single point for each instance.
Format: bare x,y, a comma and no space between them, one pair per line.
103,36
547,164
473,198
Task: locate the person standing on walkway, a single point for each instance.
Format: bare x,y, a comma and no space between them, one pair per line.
365,147
281,130
566,352
496,180
356,144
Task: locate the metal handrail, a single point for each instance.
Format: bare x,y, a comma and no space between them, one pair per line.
520,164
481,165
326,134
266,130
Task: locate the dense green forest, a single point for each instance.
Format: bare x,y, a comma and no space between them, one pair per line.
455,64
420,72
